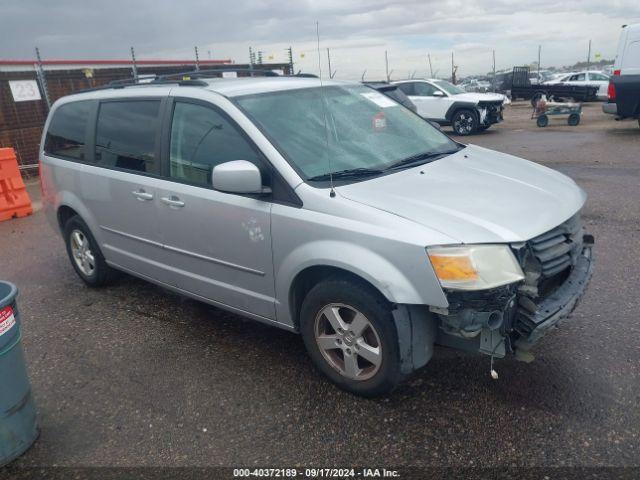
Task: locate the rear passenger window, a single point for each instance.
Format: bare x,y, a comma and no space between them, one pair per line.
65,137
202,138
126,135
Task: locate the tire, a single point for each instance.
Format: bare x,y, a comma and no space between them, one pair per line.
574,119
338,302
464,122
542,121
85,255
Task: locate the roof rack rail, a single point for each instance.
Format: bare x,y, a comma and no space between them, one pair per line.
191,74
188,78
129,82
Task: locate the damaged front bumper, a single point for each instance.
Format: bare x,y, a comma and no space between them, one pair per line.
531,326
490,113
507,319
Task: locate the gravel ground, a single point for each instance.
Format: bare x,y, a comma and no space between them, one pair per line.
133,375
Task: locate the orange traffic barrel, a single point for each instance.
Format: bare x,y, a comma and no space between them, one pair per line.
14,199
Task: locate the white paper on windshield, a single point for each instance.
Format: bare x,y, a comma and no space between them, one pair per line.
379,99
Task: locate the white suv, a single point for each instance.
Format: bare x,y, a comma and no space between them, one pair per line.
447,104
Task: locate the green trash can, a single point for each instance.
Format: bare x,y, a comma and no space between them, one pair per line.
18,422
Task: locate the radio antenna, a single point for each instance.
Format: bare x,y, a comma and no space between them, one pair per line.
332,192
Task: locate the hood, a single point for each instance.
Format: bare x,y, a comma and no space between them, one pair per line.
475,196
478,97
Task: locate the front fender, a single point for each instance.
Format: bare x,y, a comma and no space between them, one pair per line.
367,264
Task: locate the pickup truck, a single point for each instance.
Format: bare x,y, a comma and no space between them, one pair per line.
520,86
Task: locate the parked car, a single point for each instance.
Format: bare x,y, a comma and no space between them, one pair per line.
392,91
624,84
330,211
447,104
590,77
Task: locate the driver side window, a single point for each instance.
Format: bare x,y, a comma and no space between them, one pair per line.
425,89
202,138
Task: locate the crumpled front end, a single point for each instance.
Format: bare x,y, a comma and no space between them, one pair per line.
557,266
490,112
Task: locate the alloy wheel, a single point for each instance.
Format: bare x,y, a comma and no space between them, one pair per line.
82,254
464,123
348,341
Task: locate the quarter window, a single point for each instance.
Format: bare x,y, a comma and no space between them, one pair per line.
126,135
202,138
66,134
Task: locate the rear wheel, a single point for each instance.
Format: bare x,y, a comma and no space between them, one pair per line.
85,255
350,334
464,122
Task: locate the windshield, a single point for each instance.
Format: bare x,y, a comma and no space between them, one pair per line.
449,87
365,129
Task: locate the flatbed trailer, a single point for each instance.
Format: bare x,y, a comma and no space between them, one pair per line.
521,87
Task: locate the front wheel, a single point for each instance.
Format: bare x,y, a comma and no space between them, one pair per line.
573,120
350,335
464,122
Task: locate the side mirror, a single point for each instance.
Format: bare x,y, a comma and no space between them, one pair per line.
438,93
237,176
435,124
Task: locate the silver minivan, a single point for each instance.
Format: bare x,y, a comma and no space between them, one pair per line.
329,210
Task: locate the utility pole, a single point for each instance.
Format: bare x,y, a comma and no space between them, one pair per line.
290,53
539,53
43,81
494,71
453,70
134,68
589,56
386,63
329,61
430,66
251,61
259,57
197,59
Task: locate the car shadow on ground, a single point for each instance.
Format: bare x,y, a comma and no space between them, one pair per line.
248,345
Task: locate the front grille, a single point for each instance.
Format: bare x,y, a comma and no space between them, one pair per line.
558,249
546,261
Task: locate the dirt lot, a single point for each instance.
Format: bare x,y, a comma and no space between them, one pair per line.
133,375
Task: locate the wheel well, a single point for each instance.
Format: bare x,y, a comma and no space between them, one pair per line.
310,277
64,214
473,111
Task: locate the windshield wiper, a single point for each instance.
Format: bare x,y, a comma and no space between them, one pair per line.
349,173
419,159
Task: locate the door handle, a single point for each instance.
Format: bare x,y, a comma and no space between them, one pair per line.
172,201
142,195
